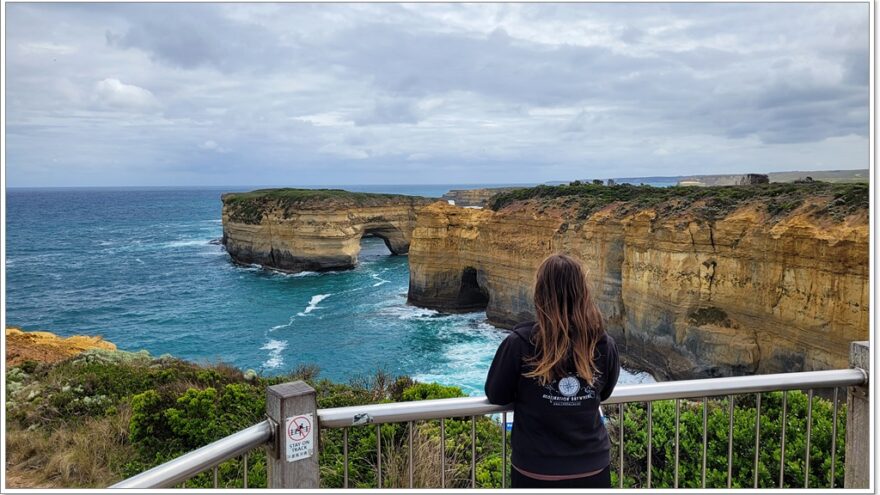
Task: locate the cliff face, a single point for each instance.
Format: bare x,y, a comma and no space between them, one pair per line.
296,230
758,288
474,197
46,347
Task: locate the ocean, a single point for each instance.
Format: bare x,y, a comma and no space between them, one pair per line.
142,267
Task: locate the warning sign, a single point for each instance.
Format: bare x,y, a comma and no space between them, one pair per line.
300,437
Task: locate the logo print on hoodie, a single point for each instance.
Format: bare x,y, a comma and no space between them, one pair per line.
568,391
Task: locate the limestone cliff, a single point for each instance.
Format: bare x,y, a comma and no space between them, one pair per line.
303,229
694,282
46,347
474,197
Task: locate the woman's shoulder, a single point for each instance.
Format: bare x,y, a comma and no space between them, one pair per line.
521,335
524,330
606,341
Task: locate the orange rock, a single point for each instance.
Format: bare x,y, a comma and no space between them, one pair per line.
46,347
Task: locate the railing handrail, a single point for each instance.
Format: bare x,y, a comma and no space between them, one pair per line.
177,471
397,412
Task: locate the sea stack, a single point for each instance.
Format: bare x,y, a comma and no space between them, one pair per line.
296,230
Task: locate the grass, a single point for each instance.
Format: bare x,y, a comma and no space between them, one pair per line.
78,454
248,207
839,200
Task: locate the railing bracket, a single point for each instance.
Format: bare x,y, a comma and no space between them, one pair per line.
361,419
273,446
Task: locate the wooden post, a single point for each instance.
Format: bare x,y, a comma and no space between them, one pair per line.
858,421
293,455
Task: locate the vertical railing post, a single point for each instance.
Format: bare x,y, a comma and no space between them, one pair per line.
858,420
293,453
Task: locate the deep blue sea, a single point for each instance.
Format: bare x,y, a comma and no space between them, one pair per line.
141,267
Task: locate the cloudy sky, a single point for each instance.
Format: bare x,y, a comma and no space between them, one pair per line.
303,94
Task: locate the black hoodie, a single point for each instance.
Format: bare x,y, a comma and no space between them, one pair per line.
557,429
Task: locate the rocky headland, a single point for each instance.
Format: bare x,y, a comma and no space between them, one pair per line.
297,230
694,282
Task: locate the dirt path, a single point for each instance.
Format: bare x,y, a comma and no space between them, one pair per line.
16,478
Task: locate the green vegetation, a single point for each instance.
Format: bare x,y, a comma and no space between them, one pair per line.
836,200
861,175
107,415
248,207
742,475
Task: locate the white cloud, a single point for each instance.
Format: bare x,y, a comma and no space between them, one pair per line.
325,119
418,157
112,92
41,47
211,145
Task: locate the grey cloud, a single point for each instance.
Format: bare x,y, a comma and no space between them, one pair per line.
194,35
304,93
389,111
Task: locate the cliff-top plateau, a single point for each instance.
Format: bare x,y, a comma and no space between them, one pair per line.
693,281
297,230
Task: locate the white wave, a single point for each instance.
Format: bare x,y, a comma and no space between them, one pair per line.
634,377
409,312
466,357
284,275
139,260
184,243
313,303
275,348
279,327
380,280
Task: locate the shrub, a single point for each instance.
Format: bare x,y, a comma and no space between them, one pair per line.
174,407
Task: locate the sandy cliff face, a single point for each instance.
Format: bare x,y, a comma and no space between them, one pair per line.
751,291
473,197
46,347
314,233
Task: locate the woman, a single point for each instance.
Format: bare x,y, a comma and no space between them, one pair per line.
556,371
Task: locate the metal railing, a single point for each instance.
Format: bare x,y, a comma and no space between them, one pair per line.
174,472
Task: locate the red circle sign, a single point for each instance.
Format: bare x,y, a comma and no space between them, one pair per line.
299,428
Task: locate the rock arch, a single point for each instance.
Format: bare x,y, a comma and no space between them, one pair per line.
296,230
396,239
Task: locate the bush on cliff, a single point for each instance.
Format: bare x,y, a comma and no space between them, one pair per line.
248,207
103,416
710,203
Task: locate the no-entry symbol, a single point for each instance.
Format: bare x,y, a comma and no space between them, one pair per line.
300,437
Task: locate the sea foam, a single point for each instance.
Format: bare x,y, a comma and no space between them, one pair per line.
313,303
275,348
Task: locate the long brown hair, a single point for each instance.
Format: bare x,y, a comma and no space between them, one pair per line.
568,321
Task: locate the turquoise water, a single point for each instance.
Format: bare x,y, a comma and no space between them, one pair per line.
141,267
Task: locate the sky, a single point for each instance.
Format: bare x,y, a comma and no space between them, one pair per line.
304,94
